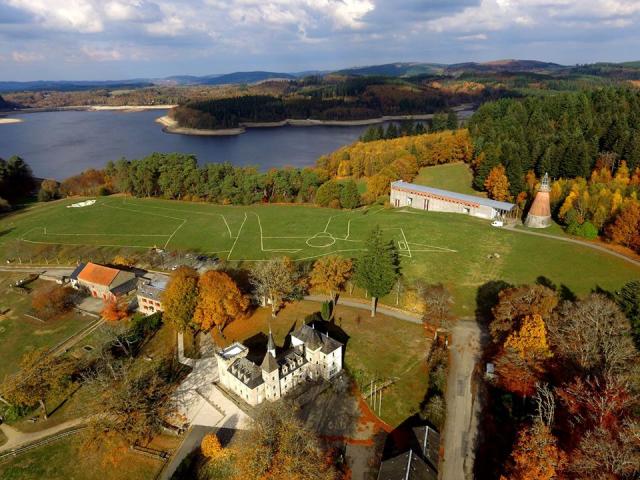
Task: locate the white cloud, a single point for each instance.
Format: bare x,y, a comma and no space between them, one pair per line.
26,57
101,54
77,15
476,37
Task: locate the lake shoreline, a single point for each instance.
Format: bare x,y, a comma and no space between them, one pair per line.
9,121
171,126
90,108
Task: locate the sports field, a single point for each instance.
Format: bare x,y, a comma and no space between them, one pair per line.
454,249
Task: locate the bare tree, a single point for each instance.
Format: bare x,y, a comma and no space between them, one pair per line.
545,404
438,302
595,334
274,281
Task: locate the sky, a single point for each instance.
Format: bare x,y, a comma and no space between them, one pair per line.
123,39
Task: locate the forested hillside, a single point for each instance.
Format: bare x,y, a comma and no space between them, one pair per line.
560,134
329,98
3,103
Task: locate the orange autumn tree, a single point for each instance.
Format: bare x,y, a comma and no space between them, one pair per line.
497,183
521,360
113,311
625,230
219,301
329,275
536,455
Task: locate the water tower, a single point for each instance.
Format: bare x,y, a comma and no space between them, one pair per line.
539,215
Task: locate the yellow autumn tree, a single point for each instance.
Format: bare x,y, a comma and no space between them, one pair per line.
329,275
497,184
520,363
219,301
530,341
211,447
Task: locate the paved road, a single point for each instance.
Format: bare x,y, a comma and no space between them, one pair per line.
16,438
460,428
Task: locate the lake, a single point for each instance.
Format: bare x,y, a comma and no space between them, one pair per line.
60,144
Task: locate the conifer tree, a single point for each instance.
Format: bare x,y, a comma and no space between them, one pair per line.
378,267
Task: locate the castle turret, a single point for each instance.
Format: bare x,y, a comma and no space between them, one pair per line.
539,215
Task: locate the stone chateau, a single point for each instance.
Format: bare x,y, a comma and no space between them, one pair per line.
312,355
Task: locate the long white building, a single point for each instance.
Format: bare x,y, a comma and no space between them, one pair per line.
312,355
404,194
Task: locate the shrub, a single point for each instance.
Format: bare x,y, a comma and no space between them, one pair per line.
52,300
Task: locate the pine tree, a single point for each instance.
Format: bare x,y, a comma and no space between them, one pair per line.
378,267
452,120
349,195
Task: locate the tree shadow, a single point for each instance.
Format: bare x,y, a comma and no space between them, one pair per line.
257,345
566,294
487,298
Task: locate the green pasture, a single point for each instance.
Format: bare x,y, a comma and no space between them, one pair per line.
456,177
457,250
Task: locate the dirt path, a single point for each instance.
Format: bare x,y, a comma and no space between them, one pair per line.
365,305
17,439
460,427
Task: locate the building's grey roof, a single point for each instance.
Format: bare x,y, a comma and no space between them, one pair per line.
247,372
125,287
269,364
429,441
293,360
152,288
454,195
314,340
79,268
406,466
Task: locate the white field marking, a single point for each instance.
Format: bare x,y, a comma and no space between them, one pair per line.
108,234
237,237
406,242
340,215
287,237
193,212
174,232
84,244
308,258
281,250
444,249
146,213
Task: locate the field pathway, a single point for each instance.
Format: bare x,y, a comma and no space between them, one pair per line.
584,243
17,438
366,305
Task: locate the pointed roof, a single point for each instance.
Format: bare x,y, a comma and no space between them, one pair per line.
269,364
271,346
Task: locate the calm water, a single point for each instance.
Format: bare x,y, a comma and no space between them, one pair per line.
60,144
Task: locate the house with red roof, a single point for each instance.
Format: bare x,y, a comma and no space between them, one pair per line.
103,282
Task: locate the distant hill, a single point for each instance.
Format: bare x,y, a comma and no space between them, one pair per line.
245,77
67,86
504,66
395,70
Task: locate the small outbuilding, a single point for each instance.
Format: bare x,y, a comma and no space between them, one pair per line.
404,194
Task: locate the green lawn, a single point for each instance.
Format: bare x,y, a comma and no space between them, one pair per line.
435,247
68,459
402,358
19,333
456,177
